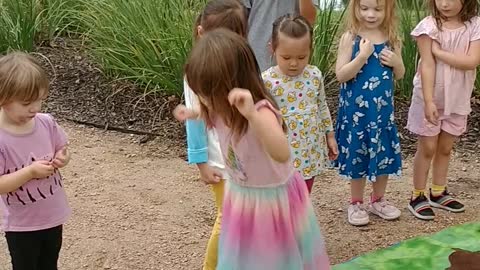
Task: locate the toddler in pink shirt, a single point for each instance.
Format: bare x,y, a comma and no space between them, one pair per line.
32,149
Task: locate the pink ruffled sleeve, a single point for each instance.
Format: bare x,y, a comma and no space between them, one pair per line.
265,103
475,25
428,27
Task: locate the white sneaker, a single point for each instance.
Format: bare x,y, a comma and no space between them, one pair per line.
384,209
357,216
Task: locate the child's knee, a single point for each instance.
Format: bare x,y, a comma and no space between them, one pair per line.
427,149
444,149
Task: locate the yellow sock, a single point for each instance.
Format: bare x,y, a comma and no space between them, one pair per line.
437,190
417,192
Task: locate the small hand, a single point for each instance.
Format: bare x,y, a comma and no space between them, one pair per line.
436,48
431,113
346,41
242,99
208,174
41,169
389,58
366,48
61,159
182,113
332,147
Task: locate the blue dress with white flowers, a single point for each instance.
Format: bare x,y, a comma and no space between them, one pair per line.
368,141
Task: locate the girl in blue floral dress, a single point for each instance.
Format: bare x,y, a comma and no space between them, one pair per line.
369,58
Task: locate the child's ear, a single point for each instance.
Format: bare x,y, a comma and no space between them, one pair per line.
270,48
200,31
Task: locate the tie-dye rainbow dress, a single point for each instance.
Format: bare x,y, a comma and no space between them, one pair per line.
268,220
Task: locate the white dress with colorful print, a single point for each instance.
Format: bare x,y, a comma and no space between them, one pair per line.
304,108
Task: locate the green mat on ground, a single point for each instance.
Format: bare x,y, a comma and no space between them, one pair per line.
426,252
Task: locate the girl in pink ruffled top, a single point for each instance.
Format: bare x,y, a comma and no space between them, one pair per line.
449,46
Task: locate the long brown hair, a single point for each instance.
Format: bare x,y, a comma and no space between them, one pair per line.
229,14
389,25
21,79
291,26
468,11
220,61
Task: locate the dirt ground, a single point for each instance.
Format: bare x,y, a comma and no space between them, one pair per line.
136,206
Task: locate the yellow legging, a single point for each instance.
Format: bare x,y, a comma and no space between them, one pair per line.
210,262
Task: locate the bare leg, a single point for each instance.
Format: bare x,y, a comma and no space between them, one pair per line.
426,149
380,185
357,189
442,158
440,169
357,215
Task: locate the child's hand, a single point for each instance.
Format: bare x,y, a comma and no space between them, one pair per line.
243,100
61,159
431,113
436,48
182,113
41,169
366,48
332,146
208,174
389,58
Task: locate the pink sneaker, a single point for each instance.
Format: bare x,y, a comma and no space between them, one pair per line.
384,209
357,216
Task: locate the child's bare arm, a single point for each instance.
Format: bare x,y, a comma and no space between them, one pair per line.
462,61
346,69
326,120
264,123
12,181
427,66
270,133
427,72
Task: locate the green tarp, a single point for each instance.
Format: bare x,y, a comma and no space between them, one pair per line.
426,252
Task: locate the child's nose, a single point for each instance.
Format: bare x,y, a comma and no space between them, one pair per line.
36,108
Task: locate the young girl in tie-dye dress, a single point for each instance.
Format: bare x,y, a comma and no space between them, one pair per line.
268,220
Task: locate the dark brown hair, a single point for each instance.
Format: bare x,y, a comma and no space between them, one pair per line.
21,79
468,11
220,61
293,26
229,14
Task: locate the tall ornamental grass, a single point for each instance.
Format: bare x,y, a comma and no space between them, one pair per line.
145,41
326,33
23,23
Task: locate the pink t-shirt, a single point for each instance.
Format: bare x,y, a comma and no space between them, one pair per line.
453,87
247,162
40,203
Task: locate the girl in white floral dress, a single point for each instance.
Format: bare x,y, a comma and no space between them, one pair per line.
298,90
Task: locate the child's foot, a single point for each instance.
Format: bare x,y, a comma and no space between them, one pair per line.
384,209
357,216
447,202
420,208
